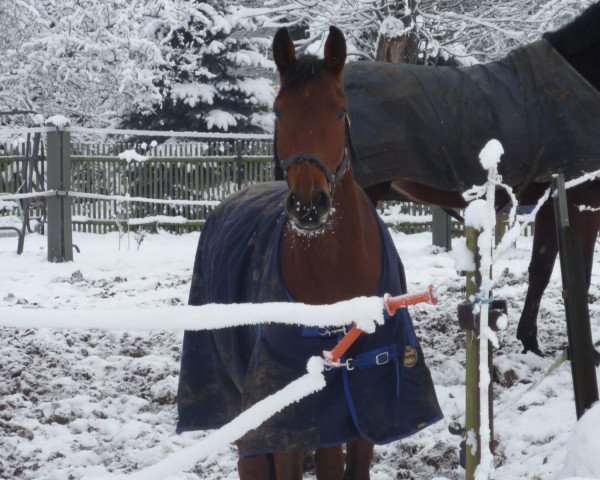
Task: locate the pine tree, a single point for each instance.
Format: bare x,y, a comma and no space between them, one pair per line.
206,82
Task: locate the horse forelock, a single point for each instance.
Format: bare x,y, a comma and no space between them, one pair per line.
302,71
579,35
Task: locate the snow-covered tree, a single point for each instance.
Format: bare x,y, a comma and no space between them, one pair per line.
470,30
102,62
213,76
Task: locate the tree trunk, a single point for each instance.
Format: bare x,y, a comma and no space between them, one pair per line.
402,49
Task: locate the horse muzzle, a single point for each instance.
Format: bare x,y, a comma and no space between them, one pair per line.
309,214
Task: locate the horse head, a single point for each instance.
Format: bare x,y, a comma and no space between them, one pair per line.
311,126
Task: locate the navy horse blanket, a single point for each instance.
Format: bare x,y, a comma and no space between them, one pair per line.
388,394
428,124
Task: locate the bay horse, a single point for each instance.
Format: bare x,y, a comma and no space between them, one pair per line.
418,131
314,238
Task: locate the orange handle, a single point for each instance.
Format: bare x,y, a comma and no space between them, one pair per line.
345,343
391,304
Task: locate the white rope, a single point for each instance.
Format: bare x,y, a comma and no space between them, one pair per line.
127,198
162,133
364,311
20,196
116,198
143,133
25,130
249,419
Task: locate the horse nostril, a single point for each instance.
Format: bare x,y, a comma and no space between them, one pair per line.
323,201
290,203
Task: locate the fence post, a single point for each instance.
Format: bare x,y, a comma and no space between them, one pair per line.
469,322
239,162
60,236
581,346
472,365
441,229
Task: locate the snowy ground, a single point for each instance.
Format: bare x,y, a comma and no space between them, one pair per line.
76,404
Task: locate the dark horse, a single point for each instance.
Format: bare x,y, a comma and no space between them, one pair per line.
315,239
418,131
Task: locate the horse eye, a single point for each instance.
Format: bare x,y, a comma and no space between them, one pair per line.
341,114
278,114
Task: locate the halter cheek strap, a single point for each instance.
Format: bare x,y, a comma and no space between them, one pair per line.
340,171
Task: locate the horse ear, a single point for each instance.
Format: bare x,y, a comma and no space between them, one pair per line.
335,51
284,53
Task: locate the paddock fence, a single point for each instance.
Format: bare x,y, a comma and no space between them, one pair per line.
208,170
203,169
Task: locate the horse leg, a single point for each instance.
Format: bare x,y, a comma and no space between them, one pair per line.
586,224
359,454
329,463
543,257
288,465
255,468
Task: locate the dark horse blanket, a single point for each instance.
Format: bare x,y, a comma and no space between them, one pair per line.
428,124
388,395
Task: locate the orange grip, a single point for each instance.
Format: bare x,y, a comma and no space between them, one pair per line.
391,304
345,343
394,303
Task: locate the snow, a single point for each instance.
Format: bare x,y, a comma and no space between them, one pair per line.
578,462
489,157
59,121
194,93
91,402
392,27
132,156
220,119
463,257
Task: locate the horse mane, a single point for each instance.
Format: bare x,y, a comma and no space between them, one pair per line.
579,35
301,71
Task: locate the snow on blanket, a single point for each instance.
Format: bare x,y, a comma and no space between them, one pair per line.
86,403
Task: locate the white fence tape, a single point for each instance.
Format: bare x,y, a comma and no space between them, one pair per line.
185,459
21,196
117,198
127,198
364,311
141,133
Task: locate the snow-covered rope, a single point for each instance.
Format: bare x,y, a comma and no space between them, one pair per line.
126,198
163,133
25,130
21,196
142,133
364,311
185,459
510,237
117,198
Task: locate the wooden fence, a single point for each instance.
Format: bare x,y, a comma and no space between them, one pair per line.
188,171
203,170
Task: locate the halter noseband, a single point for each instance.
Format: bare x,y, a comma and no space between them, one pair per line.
340,171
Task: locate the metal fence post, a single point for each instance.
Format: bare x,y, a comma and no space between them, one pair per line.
60,236
581,346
